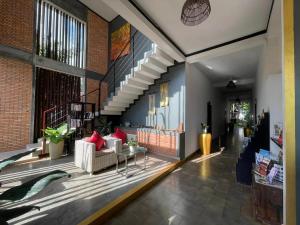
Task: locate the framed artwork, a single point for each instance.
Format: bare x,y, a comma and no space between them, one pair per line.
151,104
164,95
119,38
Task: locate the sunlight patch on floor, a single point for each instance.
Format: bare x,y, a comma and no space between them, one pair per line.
81,187
206,157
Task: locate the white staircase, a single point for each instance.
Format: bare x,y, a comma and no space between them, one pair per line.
148,69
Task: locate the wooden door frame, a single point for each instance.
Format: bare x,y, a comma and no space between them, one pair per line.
289,114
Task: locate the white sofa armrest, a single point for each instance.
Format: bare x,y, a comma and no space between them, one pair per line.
85,155
113,143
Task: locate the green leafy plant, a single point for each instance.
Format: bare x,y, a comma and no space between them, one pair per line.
56,135
132,143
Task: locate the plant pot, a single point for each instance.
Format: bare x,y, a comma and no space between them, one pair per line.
205,143
132,148
56,150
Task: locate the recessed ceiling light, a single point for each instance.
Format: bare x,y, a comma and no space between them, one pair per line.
234,81
209,67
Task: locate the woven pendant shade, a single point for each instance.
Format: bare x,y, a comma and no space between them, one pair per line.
195,12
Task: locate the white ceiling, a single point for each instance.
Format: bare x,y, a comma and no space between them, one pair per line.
241,65
228,20
101,9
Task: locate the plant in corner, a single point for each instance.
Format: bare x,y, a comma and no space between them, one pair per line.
56,139
132,145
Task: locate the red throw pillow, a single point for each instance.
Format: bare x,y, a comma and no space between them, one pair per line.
120,135
97,139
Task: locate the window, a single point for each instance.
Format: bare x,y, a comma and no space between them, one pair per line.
60,35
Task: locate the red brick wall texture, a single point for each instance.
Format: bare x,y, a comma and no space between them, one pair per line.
16,26
16,30
97,49
15,104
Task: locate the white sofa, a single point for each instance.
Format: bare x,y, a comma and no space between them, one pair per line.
90,160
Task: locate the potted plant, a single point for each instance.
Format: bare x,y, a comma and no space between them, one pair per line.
132,145
248,125
56,140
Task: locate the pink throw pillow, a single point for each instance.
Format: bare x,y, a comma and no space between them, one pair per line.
120,135
97,139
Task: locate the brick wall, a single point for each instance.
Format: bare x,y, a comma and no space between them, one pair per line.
97,52
97,46
93,98
15,104
16,26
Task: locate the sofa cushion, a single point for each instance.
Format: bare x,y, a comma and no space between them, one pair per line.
97,139
104,151
120,135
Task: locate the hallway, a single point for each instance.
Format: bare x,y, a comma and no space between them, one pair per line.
204,191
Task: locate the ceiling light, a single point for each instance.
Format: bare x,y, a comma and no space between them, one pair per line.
231,84
209,67
195,12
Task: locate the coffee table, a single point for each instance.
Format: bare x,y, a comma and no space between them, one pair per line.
128,153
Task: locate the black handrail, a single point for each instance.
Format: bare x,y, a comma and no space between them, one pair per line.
112,66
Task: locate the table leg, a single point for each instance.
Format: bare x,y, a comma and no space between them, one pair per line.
126,165
144,160
117,165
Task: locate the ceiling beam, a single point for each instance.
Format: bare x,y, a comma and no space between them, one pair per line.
259,40
139,21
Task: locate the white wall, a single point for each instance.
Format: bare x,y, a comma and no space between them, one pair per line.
199,91
268,88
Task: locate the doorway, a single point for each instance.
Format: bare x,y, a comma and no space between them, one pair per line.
209,117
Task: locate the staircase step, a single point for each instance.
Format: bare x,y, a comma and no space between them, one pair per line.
120,99
118,104
114,108
136,84
106,112
131,90
142,78
154,64
127,95
162,57
148,72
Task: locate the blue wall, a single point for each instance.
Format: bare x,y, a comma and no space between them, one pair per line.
173,114
123,66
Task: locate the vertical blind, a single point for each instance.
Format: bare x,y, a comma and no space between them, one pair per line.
60,35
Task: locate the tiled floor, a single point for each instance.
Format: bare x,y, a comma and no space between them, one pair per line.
68,201
203,191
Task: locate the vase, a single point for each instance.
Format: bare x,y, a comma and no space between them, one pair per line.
56,150
205,143
132,148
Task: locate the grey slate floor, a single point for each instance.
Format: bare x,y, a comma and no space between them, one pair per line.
204,191
68,201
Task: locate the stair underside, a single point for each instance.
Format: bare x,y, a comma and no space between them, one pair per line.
148,69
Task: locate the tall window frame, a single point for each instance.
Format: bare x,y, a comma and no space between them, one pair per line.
60,35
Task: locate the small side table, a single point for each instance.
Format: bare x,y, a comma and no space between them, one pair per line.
127,153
